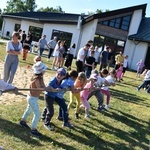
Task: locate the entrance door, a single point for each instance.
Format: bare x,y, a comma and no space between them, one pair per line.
147,60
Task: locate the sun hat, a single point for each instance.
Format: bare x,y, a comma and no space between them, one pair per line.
39,67
94,72
61,71
93,76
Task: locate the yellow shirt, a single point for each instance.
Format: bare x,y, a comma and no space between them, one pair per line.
119,59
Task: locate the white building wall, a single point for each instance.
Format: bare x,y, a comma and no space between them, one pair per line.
9,25
88,32
26,24
131,49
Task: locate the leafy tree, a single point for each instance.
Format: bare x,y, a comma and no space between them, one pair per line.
20,6
50,9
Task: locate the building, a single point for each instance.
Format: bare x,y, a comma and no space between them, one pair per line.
125,29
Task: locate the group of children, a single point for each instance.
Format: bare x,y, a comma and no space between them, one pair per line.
81,88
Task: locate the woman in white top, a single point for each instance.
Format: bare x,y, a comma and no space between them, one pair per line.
70,54
13,49
55,54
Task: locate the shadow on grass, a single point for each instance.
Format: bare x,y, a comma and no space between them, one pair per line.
16,131
128,97
137,134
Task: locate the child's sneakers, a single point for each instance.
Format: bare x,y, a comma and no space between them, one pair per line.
49,127
67,125
35,133
107,106
76,115
87,116
24,124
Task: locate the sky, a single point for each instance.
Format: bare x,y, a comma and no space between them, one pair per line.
85,6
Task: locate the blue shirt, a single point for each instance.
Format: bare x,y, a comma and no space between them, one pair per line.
66,83
53,83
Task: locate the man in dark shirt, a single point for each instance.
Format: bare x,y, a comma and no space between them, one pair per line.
104,58
90,63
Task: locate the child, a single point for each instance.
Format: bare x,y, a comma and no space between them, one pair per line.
32,98
85,93
119,72
140,65
90,64
60,54
145,82
97,92
79,84
125,66
67,83
105,90
51,97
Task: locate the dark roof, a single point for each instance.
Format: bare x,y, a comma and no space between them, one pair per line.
115,12
45,17
143,33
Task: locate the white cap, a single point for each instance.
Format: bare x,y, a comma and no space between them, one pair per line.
93,76
39,67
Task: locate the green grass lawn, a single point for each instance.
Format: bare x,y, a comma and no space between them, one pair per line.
126,126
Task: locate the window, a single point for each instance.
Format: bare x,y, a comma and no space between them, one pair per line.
61,35
17,27
119,23
37,32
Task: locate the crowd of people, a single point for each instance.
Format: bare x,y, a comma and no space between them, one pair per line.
83,83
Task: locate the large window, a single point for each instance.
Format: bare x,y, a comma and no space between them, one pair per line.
36,32
17,27
119,23
61,35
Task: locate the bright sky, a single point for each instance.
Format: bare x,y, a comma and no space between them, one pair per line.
84,6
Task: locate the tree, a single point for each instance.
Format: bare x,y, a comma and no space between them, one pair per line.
20,6
50,9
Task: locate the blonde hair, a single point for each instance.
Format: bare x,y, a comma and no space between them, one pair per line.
82,75
37,58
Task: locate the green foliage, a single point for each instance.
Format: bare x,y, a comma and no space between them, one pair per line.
50,9
14,6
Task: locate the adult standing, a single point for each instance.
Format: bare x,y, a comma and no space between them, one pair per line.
13,49
104,58
81,57
41,45
23,37
70,54
110,54
64,54
96,55
119,59
52,43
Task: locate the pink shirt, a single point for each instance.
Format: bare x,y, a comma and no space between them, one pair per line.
85,93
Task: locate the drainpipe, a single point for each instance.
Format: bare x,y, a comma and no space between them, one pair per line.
3,26
135,43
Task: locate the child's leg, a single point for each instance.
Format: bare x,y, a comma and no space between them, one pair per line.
108,97
36,111
86,105
77,103
71,101
28,110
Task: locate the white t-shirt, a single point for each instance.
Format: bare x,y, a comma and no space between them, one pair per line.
11,47
109,79
56,50
100,81
147,76
125,63
81,52
72,50
96,55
